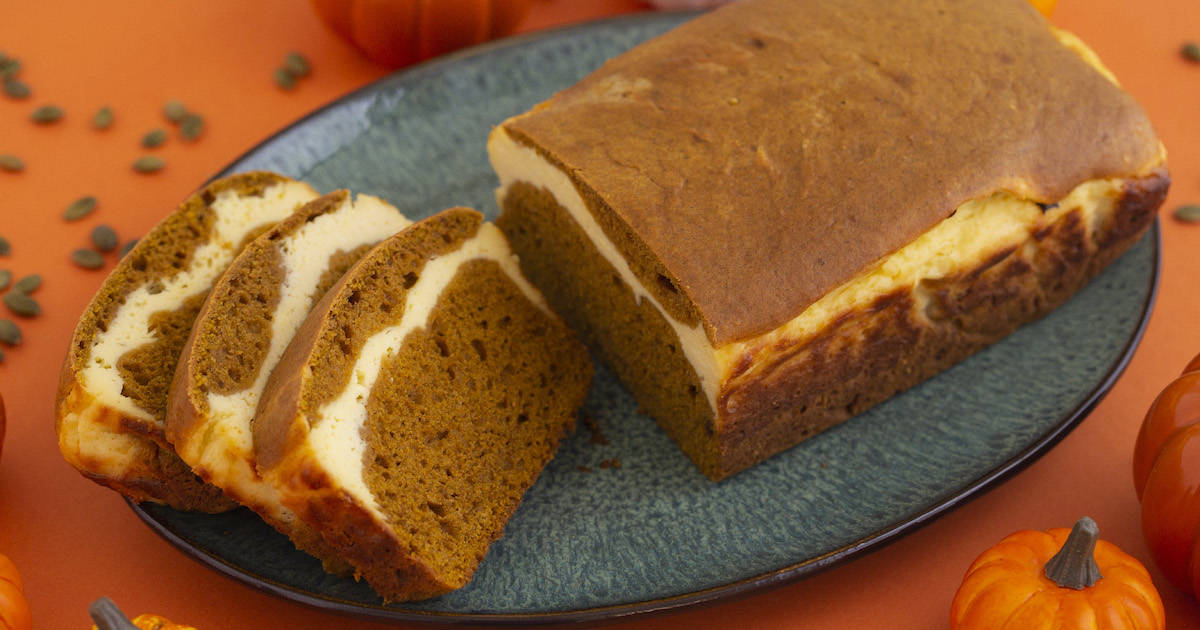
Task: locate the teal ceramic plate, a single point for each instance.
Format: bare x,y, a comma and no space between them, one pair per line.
593,541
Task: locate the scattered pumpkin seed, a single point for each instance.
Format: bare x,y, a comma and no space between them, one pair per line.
28,284
104,238
5,278
127,246
5,248
174,111
11,163
22,304
103,119
297,64
284,79
80,208
87,258
154,138
1191,51
1189,213
149,164
9,66
14,88
10,334
191,126
46,114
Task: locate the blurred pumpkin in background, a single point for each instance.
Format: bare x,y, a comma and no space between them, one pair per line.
397,33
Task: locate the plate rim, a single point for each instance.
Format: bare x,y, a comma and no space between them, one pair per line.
717,594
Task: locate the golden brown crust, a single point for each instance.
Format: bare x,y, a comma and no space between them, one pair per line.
908,336
151,473
824,117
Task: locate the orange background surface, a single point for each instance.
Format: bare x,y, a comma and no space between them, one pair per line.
75,541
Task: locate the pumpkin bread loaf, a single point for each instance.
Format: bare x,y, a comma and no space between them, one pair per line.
249,318
112,394
418,402
782,213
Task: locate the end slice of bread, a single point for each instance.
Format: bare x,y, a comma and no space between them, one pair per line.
112,394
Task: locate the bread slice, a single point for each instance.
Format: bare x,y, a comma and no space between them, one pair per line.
249,318
112,394
418,402
781,213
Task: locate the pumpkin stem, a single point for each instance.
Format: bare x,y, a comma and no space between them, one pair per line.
107,616
1074,566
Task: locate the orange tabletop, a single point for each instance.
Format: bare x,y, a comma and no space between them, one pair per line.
75,541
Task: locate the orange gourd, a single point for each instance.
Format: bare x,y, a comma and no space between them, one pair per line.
14,608
3,424
1059,578
396,33
1166,475
108,617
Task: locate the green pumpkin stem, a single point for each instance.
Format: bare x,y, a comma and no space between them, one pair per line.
1074,566
107,616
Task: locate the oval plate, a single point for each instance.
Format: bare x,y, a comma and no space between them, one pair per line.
622,523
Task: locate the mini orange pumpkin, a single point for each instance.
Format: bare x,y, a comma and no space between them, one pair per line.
1166,474
108,617
396,33
14,608
1058,578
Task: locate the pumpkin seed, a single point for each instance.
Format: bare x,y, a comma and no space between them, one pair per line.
174,111
127,246
104,238
80,208
284,79
103,118
1191,51
191,126
297,64
5,278
47,114
5,248
87,258
1189,213
22,304
28,284
9,66
10,334
154,138
149,164
14,88
11,163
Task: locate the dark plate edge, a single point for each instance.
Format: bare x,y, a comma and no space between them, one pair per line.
718,594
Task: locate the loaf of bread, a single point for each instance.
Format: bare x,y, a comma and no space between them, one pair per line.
112,396
249,318
418,402
782,213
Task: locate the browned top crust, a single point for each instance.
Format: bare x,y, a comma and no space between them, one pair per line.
769,151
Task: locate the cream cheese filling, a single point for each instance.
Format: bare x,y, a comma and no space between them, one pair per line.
235,217
336,433
305,257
